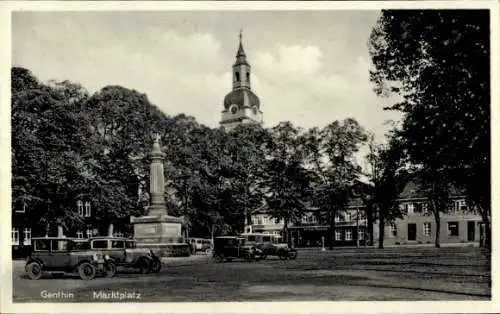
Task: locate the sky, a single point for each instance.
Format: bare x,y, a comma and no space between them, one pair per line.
308,67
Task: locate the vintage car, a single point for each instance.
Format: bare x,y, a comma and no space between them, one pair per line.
122,252
271,245
62,256
231,247
201,245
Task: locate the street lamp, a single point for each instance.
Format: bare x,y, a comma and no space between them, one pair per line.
323,244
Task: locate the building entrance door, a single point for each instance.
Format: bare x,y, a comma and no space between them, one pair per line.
412,232
471,230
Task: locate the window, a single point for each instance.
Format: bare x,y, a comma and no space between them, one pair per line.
27,236
237,75
409,208
15,236
117,244
266,239
100,244
361,234
79,205
425,208
87,209
348,234
89,233
259,220
59,245
118,234
251,238
338,235
79,235
130,244
417,207
361,215
42,245
460,205
453,228
348,216
339,217
393,230
427,229
248,76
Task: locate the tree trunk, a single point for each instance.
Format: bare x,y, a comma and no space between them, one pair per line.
487,230
381,228
437,219
285,231
369,223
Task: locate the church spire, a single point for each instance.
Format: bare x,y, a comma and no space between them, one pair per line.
241,51
241,57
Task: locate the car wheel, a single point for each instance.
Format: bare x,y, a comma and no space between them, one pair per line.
143,266
86,271
155,266
247,257
293,256
34,271
208,251
110,269
219,258
283,256
263,257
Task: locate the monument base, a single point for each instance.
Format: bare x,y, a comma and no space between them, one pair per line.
161,234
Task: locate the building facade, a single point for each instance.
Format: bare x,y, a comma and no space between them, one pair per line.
241,105
458,224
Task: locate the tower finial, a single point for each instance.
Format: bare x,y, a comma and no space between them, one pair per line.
241,51
241,35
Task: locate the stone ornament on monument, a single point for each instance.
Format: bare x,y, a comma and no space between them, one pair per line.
157,230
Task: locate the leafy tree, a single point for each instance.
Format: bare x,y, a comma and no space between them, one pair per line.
331,157
286,181
438,62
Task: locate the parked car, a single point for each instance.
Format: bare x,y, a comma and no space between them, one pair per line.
62,256
123,252
231,247
271,244
201,245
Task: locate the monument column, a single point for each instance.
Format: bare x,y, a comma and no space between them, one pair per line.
157,181
156,230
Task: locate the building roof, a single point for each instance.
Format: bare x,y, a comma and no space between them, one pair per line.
242,97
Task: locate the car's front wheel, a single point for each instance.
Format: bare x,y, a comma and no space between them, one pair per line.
282,255
143,266
34,271
110,269
86,271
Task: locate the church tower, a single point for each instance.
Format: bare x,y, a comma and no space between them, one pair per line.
241,105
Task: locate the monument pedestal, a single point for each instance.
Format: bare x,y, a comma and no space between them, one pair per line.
160,233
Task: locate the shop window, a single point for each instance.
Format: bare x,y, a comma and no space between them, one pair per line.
453,228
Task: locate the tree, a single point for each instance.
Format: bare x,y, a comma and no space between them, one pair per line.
438,62
331,156
286,181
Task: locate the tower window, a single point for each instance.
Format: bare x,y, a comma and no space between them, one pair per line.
237,74
248,76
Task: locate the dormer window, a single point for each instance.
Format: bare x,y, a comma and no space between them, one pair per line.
79,205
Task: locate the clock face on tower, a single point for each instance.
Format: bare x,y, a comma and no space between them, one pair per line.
233,109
